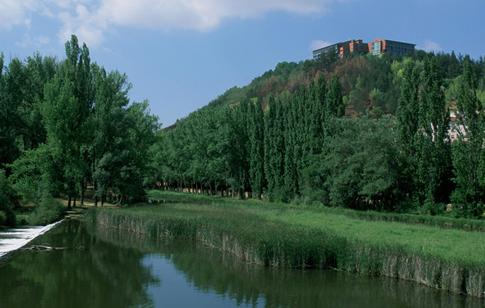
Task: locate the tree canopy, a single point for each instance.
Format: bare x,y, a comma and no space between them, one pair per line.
363,132
67,127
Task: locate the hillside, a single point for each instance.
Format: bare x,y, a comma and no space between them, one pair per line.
363,132
368,82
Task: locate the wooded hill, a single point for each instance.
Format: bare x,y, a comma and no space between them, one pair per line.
362,132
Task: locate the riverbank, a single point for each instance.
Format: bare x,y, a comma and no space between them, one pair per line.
276,235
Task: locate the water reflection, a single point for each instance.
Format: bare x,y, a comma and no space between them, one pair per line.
102,268
210,272
87,273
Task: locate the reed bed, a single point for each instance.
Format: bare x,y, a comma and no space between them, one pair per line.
289,236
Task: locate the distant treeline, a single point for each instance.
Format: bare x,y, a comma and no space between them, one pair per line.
66,126
362,132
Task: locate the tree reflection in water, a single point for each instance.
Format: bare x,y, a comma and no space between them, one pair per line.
210,271
87,273
102,267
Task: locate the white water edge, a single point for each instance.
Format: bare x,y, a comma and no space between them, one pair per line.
13,239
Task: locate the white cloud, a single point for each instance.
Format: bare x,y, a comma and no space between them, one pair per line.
33,42
317,44
197,14
431,46
14,13
82,22
91,19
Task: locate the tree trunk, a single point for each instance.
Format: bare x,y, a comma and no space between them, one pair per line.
69,202
82,192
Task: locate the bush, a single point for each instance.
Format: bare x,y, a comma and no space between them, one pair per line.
31,175
3,218
7,201
359,166
22,219
48,211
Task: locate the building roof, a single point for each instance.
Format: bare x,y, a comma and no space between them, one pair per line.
399,42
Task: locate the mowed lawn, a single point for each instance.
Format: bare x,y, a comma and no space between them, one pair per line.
449,245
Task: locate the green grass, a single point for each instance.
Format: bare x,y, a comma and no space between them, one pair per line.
307,236
446,222
446,244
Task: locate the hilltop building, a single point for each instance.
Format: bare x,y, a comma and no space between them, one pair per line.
376,47
343,48
395,48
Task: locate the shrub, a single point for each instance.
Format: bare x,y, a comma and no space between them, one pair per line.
7,201
3,218
48,211
31,175
22,219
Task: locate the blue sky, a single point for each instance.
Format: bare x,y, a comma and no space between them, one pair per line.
180,54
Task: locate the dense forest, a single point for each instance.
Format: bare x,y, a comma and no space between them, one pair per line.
68,127
364,132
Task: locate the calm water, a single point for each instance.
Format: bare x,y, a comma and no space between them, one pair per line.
96,268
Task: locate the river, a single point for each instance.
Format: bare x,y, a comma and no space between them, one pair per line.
84,267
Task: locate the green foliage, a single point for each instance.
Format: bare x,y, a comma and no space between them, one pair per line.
363,132
21,95
33,174
8,148
48,211
281,137
7,201
69,125
434,152
3,218
256,155
66,109
468,151
364,76
122,135
238,148
423,126
408,109
360,165
333,99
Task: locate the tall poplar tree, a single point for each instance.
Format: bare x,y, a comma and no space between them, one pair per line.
434,153
468,149
290,181
256,130
67,106
269,123
8,117
334,105
408,125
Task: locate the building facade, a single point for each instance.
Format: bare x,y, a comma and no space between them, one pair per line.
376,47
342,48
330,49
380,46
